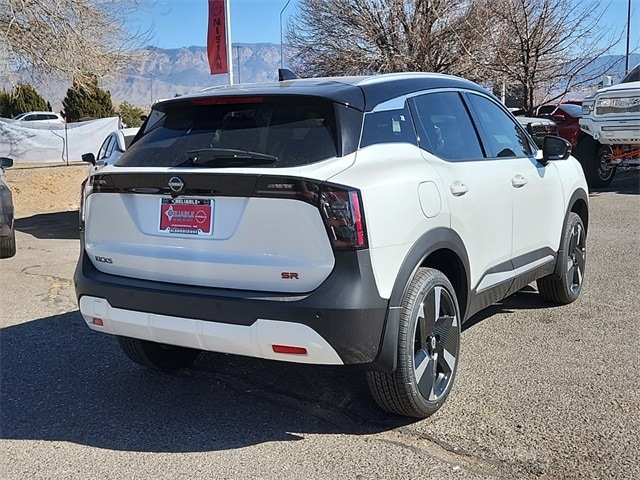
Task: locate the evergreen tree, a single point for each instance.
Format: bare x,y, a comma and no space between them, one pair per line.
87,102
131,115
5,104
26,99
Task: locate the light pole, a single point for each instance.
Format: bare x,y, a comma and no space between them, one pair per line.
281,37
237,49
626,64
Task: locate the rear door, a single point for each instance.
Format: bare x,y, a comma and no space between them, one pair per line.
477,189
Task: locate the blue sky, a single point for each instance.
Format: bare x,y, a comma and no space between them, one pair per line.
182,23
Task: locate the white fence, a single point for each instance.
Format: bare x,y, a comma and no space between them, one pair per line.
25,142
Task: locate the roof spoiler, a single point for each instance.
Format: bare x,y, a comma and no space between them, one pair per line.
286,74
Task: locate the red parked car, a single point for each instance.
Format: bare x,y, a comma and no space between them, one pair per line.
567,117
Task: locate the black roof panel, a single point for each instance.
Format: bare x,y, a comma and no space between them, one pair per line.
363,93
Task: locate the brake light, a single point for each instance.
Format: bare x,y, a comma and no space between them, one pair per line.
342,212
85,191
227,100
340,207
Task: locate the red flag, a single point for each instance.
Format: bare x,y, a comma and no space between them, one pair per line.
217,37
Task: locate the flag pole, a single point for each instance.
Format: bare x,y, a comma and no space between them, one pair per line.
227,14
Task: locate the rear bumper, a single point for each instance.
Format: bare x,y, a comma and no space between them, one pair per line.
341,322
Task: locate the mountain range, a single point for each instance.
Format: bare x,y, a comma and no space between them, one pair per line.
165,73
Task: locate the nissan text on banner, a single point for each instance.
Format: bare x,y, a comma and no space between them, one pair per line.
217,37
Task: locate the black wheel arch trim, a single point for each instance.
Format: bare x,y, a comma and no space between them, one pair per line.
430,243
578,204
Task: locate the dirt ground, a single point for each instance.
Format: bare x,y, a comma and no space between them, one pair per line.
45,188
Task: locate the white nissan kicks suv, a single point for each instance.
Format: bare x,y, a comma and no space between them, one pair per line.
355,220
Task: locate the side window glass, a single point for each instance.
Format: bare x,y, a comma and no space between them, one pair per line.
445,128
110,145
504,137
392,126
103,148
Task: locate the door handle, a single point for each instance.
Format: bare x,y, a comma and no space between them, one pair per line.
458,188
518,181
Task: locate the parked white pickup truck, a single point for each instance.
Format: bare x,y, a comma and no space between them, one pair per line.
611,121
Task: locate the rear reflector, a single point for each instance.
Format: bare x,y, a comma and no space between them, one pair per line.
289,349
98,321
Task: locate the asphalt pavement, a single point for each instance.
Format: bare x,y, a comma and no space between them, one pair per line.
542,392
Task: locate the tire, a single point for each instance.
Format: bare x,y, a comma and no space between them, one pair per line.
8,245
573,256
157,356
601,175
590,154
428,349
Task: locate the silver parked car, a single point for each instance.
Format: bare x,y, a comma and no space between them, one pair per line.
7,230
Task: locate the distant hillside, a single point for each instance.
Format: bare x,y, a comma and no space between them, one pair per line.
165,73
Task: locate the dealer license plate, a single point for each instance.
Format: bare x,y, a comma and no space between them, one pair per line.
190,216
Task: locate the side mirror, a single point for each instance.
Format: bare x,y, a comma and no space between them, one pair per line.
6,162
555,148
89,158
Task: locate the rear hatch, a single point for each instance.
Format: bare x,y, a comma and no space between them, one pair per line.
224,192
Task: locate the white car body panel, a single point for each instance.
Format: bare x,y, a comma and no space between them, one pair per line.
250,247
256,340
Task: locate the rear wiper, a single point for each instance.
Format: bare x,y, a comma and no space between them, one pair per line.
227,157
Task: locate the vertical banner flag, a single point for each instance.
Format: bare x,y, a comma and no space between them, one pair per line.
217,37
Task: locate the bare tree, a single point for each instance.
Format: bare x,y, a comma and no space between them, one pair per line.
544,48
345,37
71,39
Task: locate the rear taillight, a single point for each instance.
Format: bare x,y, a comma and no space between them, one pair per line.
340,207
85,191
342,212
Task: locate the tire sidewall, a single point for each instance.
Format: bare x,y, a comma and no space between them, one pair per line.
425,280
573,220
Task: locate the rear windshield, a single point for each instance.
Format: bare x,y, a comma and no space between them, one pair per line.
293,130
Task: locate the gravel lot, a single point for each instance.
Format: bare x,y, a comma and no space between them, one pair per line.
542,392
44,188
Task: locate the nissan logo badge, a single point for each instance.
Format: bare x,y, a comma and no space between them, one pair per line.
176,184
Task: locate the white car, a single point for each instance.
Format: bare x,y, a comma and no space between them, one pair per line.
355,220
111,149
40,117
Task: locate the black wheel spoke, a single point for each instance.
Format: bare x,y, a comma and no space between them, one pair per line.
422,330
576,261
426,374
436,343
431,307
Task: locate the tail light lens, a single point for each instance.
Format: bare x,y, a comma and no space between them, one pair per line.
342,212
340,207
85,191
